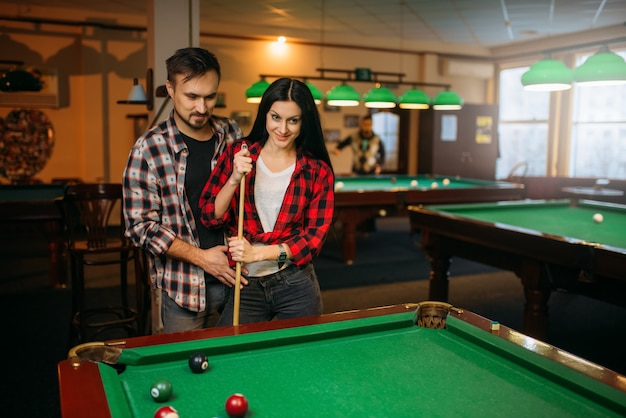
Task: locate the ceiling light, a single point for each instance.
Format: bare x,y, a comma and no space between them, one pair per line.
380,98
547,75
343,95
414,99
601,69
447,100
317,93
255,92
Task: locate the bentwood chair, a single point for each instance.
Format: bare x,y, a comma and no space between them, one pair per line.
95,239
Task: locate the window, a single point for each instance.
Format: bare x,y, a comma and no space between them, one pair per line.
523,127
596,147
386,125
598,141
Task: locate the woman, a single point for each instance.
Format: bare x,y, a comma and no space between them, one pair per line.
288,205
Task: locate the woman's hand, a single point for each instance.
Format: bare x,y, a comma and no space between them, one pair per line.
241,250
242,164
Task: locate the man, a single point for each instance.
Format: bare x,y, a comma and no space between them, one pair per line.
164,176
368,152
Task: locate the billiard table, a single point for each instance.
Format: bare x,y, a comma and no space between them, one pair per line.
426,359
35,204
549,244
363,198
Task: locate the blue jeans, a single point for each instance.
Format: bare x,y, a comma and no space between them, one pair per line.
177,319
290,293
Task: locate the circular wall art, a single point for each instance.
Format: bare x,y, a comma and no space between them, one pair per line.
26,142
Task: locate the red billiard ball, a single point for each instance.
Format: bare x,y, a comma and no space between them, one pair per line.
198,362
236,405
166,412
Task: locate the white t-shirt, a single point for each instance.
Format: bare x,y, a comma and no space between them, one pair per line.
269,193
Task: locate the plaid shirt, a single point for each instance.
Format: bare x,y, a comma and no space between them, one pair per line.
156,209
304,218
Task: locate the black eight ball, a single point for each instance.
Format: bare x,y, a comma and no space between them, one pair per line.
198,362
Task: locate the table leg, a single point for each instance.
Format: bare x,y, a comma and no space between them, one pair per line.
439,267
537,292
348,241
57,271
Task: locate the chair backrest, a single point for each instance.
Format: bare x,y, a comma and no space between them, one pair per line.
88,206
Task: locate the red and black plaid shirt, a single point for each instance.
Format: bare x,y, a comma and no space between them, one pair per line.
305,215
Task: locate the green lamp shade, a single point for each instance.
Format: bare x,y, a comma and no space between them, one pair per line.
317,93
255,92
601,69
343,95
380,98
547,75
414,99
447,100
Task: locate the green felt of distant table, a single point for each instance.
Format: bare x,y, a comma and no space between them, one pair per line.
377,366
556,218
359,199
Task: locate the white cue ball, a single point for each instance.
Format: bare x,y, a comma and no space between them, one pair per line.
434,185
446,182
597,218
339,185
413,183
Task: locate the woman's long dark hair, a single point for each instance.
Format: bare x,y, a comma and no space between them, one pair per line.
311,138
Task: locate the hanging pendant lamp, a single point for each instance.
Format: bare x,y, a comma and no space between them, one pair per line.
317,93
343,95
447,100
414,99
601,69
547,75
255,92
380,98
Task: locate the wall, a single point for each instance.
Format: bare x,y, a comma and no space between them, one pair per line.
96,66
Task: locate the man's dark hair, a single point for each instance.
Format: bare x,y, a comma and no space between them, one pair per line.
192,62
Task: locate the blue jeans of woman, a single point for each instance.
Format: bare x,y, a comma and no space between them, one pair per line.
293,292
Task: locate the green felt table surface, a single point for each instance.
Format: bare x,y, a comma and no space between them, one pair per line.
556,218
383,366
389,182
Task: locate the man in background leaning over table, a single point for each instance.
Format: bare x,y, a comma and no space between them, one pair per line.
368,151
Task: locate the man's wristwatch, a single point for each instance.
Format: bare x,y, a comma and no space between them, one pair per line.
282,256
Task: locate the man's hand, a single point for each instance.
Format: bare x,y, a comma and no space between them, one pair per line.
215,262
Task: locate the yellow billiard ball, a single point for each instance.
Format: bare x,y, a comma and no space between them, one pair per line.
413,183
446,182
434,185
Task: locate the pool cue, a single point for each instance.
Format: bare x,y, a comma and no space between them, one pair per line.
242,192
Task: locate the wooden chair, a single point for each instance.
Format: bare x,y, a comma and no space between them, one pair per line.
88,210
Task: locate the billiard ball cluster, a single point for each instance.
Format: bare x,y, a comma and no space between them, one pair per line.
161,390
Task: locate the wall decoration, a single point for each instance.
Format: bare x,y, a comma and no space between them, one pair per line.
484,128
243,118
331,135
328,108
351,121
221,100
28,87
26,142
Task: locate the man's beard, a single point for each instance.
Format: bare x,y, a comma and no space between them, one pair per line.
196,127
